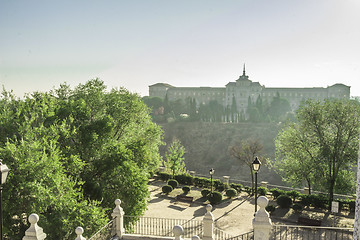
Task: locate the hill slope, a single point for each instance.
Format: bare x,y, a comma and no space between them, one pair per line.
207,146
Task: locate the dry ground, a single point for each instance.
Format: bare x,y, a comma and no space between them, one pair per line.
234,216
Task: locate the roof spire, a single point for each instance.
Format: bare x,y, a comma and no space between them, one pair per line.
244,70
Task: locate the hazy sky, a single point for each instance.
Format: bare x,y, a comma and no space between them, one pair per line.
136,43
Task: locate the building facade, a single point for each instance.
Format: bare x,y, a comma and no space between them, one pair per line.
244,89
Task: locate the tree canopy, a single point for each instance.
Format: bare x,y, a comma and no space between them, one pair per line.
72,152
321,147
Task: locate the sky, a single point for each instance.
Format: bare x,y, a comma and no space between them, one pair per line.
187,43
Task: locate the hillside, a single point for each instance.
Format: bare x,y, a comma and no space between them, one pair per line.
207,146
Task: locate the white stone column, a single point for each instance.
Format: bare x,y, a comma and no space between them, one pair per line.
357,205
34,232
79,231
208,224
262,223
226,179
178,231
118,216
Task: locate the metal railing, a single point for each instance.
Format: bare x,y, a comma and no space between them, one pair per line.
161,226
221,235
104,233
310,233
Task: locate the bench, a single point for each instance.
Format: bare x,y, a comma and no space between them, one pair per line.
184,198
309,222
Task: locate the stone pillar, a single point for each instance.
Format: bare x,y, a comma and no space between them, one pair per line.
262,223
306,190
79,231
195,237
192,173
264,184
34,232
178,231
208,224
357,204
118,216
226,179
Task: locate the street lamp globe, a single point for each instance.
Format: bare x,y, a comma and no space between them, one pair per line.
212,171
256,164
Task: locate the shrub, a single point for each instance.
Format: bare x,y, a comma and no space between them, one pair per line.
185,179
214,198
352,206
164,176
276,192
219,185
237,186
202,182
205,192
297,207
293,194
270,208
173,183
231,192
186,189
167,189
318,201
284,201
248,189
262,191
305,199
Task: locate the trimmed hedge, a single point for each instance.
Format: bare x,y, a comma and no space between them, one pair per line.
276,192
231,192
237,186
214,198
270,208
205,192
173,183
262,191
186,189
185,179
297,207
284,201
167,189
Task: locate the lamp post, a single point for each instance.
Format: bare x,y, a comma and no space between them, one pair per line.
4,170
211,171
256,166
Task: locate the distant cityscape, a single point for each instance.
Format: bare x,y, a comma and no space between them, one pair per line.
243,90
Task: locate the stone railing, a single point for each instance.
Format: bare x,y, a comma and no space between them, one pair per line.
261,223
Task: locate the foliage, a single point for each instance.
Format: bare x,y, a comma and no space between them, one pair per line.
166,189
246,152
174,158
322,145
219,186
293,194
262,191
72,152
270,208
297,207
202,182
205,192
185,179
186,189
231,192
214,197
164,176
173,183
276,192
248,190
237,186
284,201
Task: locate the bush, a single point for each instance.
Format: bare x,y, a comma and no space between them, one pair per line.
293,194
248,190
173,183
167,189
297,207
231,192
202,182
352,204
305,199
270,208
205,192
237,186
214,198
164,176
186,189
276,192
262,191
284,201
219,186
318,201
185,179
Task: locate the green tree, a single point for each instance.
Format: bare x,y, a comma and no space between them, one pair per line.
245,153
326,136
72,152
278,108
174,158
